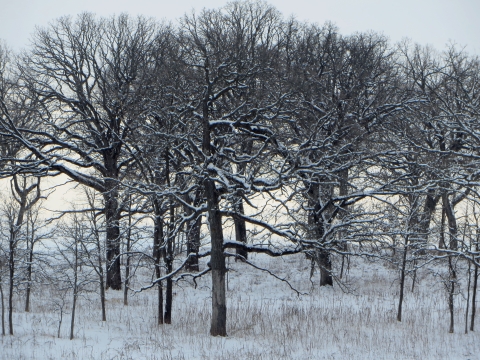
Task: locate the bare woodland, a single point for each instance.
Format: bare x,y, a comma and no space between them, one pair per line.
234,131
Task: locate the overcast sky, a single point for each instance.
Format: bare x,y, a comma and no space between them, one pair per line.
434,22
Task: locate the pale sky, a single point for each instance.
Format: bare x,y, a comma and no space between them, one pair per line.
433,22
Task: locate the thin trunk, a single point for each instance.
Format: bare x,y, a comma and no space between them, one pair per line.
101,278
474,297
468,295
29,279
102,298
75,290
402,280
127,264
72,322
3,309
11,264
343,191
157,254
60,322
169,265
474,294
441,243
451,292
414,279
169,253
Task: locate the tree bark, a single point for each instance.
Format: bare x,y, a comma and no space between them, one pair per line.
452,222
474,297
217,263
240,229
169,265
402,280
316,222
29,279
192,232
112,217
157,255
3,308
451,292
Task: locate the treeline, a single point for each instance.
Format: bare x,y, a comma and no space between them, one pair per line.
298,137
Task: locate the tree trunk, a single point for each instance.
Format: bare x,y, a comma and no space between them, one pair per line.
29,279
217,257
75,290
127,275
343,191
240,228
11,264
325,265
441,243
469,283
452,222
451,292
157,255
74,305
425,219
3,308
217,263
127,262
192,233
169,265
316,222
402,280
112,217
474,297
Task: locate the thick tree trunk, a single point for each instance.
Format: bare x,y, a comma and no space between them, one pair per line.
452,222
192,232
193,243
217,257
425,219
325,265
240,229
217,263
112,216
316,223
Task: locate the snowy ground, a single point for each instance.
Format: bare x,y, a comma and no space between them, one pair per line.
266,320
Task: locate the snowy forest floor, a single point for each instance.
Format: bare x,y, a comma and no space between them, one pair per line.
266,319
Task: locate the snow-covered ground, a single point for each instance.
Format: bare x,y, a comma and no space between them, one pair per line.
266,320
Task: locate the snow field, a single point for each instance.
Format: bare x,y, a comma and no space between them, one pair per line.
266,320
